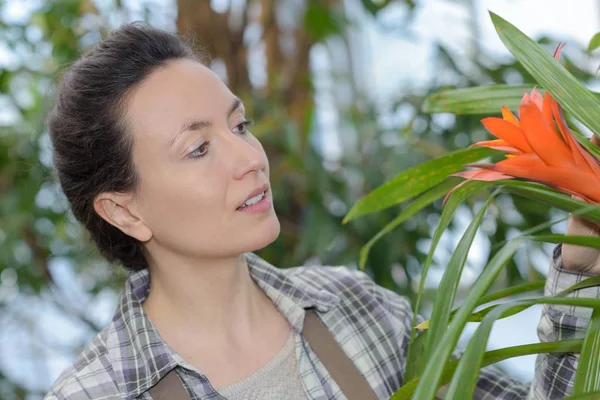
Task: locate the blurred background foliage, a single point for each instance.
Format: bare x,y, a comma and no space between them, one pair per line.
263,50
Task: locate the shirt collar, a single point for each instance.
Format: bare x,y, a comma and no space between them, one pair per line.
142,358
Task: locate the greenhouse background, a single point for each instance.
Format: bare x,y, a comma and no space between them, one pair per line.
336,88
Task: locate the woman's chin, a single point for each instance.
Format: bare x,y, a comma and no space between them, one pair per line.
265,234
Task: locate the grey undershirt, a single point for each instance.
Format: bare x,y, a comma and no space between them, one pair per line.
277,380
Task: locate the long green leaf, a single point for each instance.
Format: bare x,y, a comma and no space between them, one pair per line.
476,100
586,241
479,315
423,201
587,377
480,100
433,370
511,291
432,373
551,197
415,362
416,180
492,357
563,86
463,384
589,282
548,224
587,396
455,199
465,378
446,292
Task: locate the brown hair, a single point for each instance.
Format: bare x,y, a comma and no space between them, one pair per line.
92,147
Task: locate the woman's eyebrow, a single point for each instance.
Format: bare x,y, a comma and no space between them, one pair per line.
237,103
191,125
196,124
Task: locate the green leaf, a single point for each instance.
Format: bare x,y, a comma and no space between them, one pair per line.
463,383
433,370
416,180
587,376
492,357
587,396
446,292
431,375
465,377
511,291
594,43
476,100
455,199
552,76
551,197
479,315
481,100
587,241
415,362
423,201
589,282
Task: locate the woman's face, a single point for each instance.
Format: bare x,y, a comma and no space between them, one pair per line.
197,165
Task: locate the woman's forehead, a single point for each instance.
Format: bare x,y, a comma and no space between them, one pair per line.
177,83
180,90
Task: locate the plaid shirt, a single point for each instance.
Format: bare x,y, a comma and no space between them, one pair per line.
371,324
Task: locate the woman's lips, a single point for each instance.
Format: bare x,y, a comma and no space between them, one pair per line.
262,206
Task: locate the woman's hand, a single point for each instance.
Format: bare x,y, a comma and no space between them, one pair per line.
579,258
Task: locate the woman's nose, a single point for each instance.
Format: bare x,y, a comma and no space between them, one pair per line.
245,158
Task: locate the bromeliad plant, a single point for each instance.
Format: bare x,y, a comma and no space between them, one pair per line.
537,151
546,161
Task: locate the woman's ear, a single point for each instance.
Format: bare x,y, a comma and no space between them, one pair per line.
118,209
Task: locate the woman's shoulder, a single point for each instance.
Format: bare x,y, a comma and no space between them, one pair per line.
341,281
331,275
361,303
89,376
348,284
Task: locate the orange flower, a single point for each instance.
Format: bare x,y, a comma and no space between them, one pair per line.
538,151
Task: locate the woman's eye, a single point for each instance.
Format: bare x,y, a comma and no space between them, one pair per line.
242,128
200,151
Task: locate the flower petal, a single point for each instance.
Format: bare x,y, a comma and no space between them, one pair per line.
498,144
507,115
547,110
570,179
544,141
581,156
507,131
537,98
482,175
558,50
478,175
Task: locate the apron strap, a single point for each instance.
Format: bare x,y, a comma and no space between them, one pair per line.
169,387
340,367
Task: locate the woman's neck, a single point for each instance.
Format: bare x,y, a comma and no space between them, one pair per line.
215,316
216,300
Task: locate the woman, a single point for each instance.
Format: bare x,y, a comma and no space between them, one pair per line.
154,155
